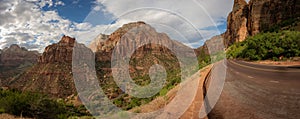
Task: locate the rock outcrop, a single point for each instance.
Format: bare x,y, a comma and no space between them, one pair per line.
237,20
52,74
258,16
94,46
60,52
263,14
141,36
144,47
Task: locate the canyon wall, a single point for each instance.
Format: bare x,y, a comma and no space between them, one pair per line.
258,16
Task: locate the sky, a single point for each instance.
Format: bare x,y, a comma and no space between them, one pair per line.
35,24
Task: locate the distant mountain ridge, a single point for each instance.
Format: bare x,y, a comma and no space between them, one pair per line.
15,55
14,60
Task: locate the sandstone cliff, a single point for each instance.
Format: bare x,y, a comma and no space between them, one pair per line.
52,74
60,52
141,40
134,35
148,47
258,16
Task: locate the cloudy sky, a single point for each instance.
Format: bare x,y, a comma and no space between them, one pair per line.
34,24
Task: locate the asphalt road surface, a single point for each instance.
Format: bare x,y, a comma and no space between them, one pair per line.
254,91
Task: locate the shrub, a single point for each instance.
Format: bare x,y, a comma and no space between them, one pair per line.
272,46
35,105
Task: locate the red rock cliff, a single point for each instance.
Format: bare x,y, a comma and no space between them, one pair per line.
59,52
257,16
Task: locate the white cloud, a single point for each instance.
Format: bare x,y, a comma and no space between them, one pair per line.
179,15
59,3
24,23
75,2
97,8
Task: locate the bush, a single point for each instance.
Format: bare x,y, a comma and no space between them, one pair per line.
35,106
272,46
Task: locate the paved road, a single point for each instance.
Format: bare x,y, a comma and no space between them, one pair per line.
254,91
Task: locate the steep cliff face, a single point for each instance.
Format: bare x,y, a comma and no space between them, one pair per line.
52,74
134,35
263,14
14,60
142,39
237,22
60,52
258,16
94,46
148,47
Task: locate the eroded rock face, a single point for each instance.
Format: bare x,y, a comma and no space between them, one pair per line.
237,22
143,47
52,75
60,52
257,16
96,42
133,37
263,14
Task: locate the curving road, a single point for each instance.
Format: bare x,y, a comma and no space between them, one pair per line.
253,91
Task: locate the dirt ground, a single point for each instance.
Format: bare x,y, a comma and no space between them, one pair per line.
192,111
278,63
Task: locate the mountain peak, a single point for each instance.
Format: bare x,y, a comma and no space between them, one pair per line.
67,39
60,52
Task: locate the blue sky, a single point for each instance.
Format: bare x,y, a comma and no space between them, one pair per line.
77,10
74,11
37,23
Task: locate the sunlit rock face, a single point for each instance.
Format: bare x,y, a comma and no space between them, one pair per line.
257,16
59,52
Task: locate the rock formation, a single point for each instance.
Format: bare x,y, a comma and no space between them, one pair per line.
52,74
14,60
60,52
258,16
237,22
134,36
144,47
15,56
96,42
